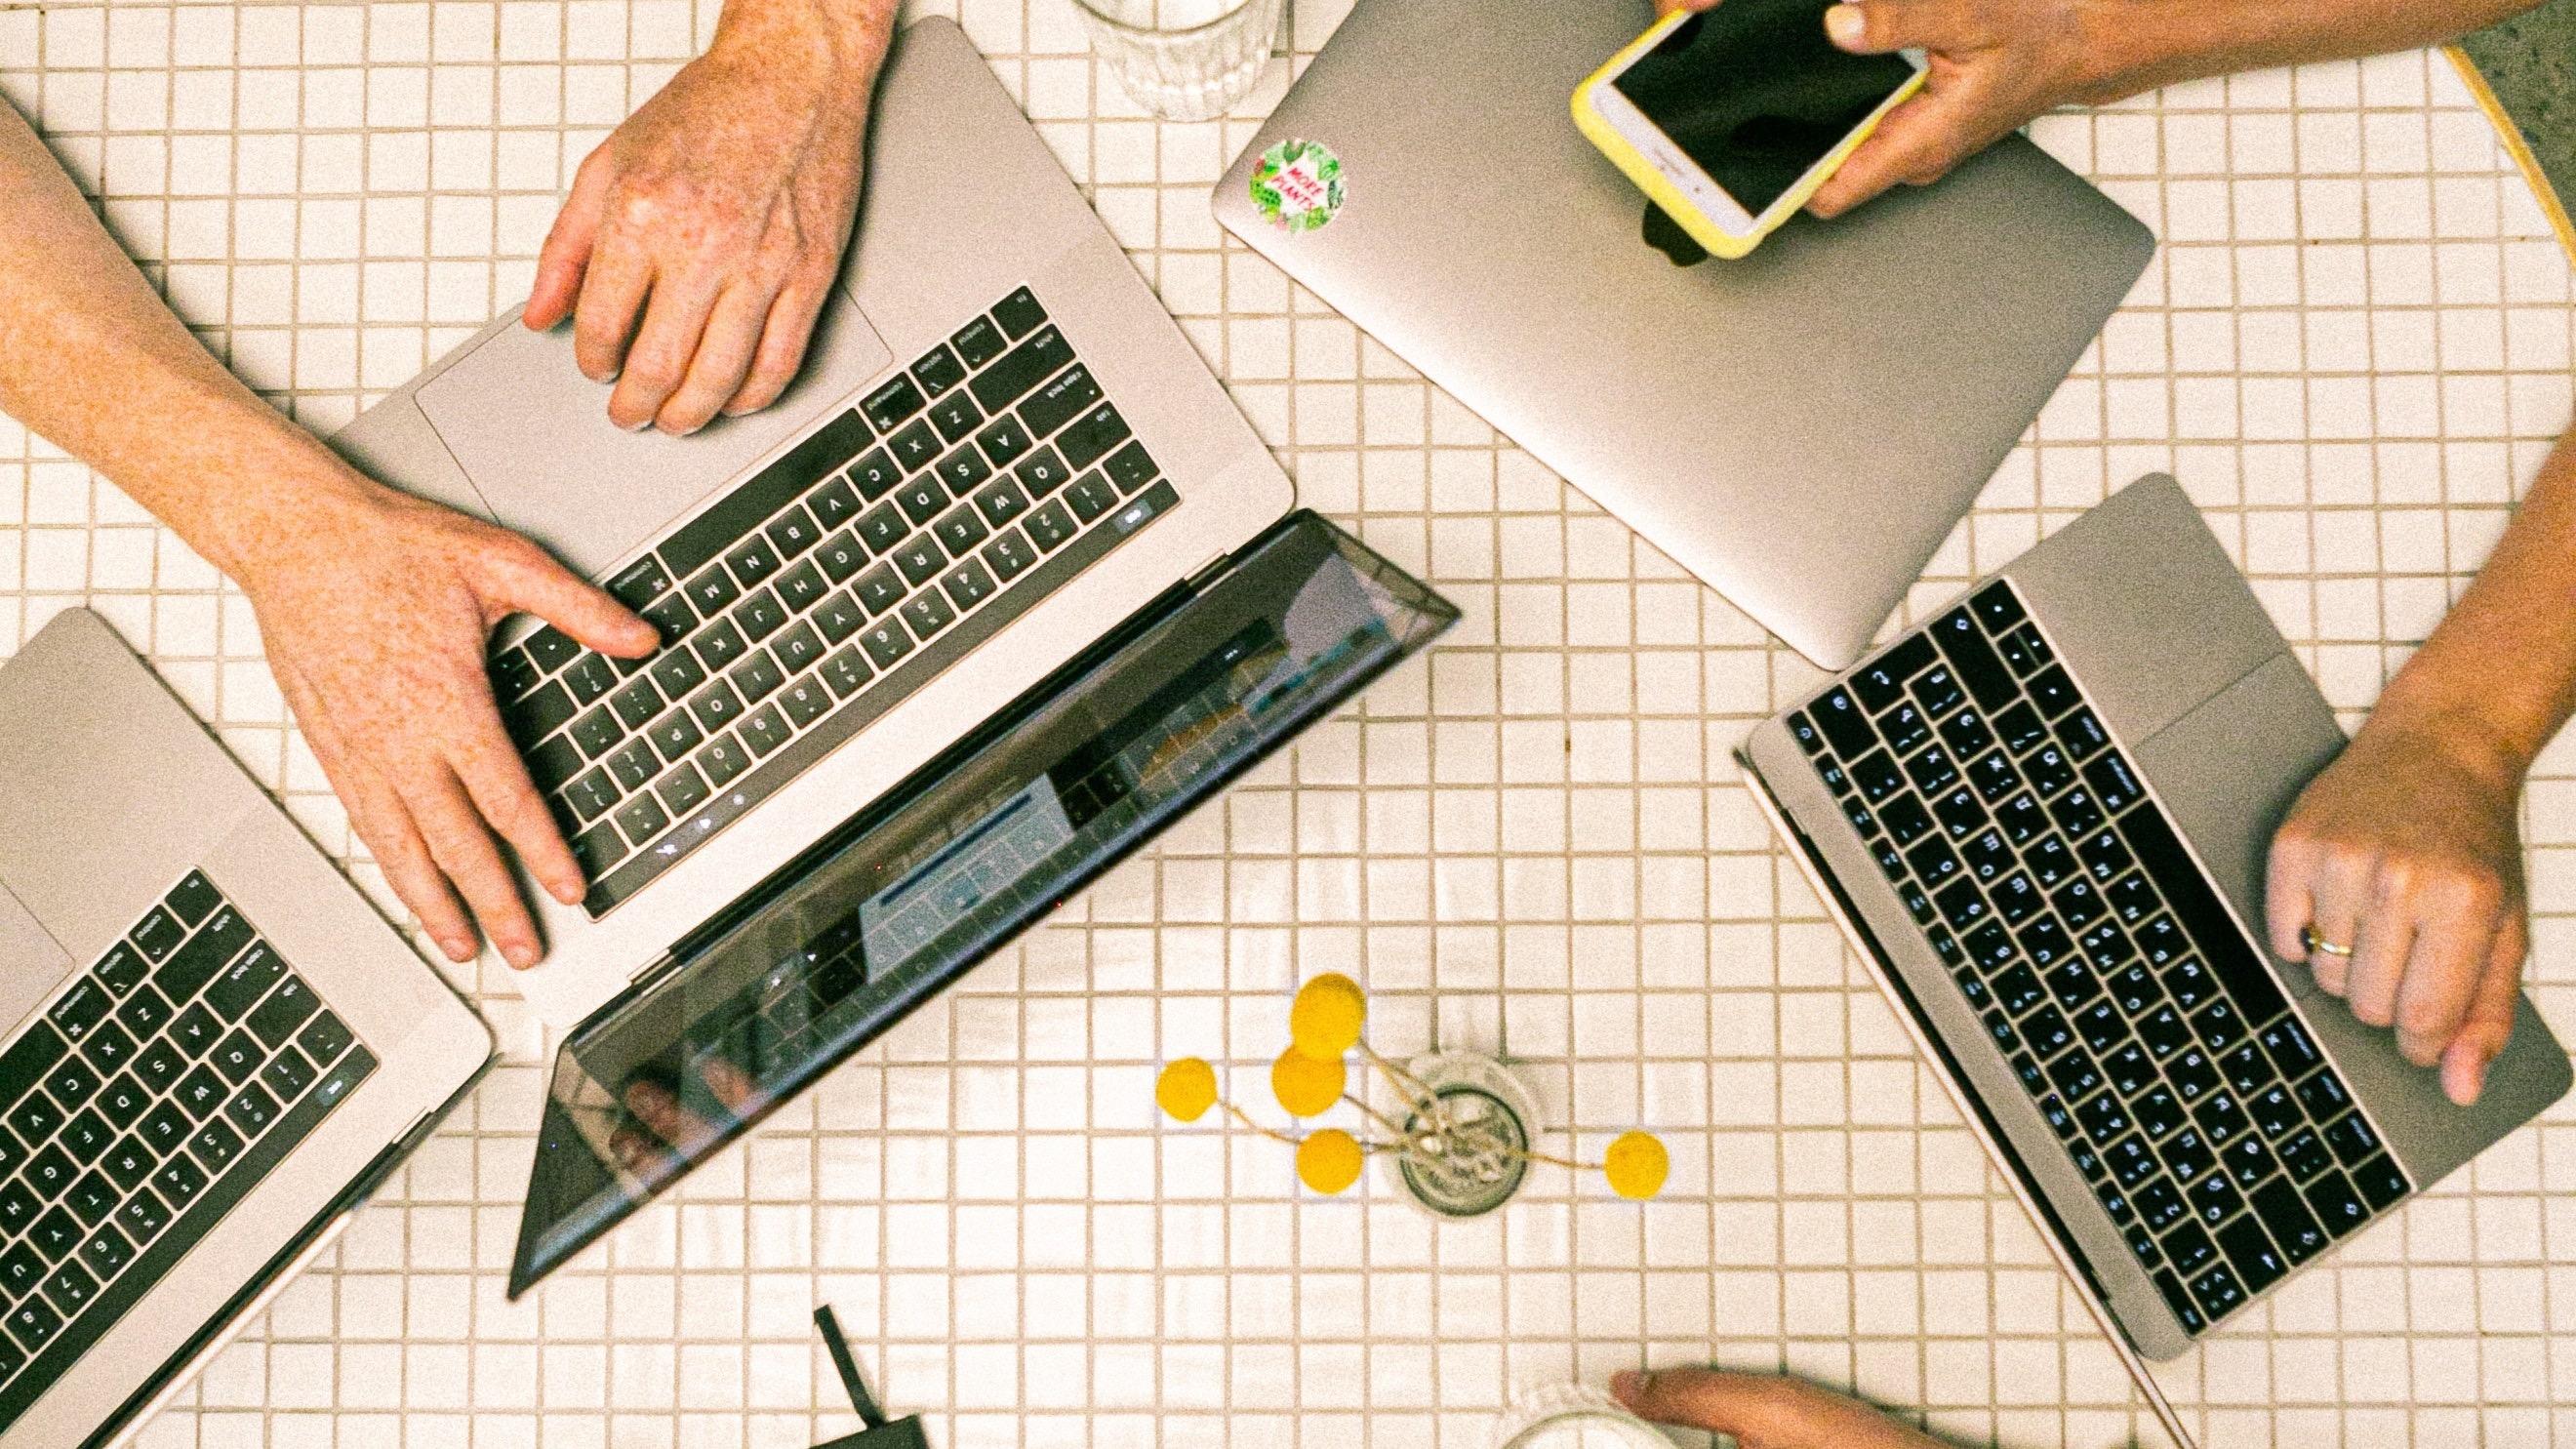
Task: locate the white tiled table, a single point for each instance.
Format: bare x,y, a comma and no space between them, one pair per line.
2353,351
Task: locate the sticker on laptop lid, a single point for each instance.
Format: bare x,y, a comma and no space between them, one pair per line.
1298,186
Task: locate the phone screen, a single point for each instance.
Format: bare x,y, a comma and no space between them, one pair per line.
1755,93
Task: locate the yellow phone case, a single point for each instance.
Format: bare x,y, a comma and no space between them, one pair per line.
1651,179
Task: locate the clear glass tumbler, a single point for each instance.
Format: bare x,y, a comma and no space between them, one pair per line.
1184,60
1572,1416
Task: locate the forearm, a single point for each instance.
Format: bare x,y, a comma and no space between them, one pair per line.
2146,43
92,359
844,39
2498,678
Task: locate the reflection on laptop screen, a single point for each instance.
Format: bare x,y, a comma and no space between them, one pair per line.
955,863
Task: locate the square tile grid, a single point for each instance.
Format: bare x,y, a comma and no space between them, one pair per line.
2354,350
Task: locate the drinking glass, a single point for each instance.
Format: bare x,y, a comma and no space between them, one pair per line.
1572,1416
1183,60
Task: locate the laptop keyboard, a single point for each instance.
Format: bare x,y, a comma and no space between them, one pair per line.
2152,1038
158,1090
819,594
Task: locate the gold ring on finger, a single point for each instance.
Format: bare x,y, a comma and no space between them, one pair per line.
2309,937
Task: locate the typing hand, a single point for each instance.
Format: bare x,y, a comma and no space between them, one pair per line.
376,608
703,237
2406,853
1761,1411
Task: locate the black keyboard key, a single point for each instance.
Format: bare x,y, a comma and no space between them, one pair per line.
961,531
251,1110
81,1009
237,1056
1042,472
87,1136
70,1289
2130,1162
756,677
193,899
2304,1153
1974,659
2049,771
35,1118
1131,468
283,1013
1024,367
2130,1069
2159,1115
713,707
2251,1253
805,701
1997,607
916,445
640,582
178,1182
2021,728
1052,524
165,1129
72,1083
129,1162
801,587
2248,1071
1019,312
1932,771
2188,1157
765,730
324,1038
19,1208
979,342
759,616
245,982
636,704
885,642
2189,1247
797,648
674,735
2352,1139
892,402
1962,906
938,370
106,1252
143,1217
92,1198
1088,438
224,936
288,1074
2248,1161
641,819
874,476
845,673
841,556
592,795
683,789
1966,734
2381,1182
215,1146
968,584
2214,1199
927,613
1005,441
513,674
1009,555
1937,690
2324,1097
2115,787
157,934
2053,692
2101,1026
1881,682
2021,820
1058,403
722,758
955,417
2337,1206
837,501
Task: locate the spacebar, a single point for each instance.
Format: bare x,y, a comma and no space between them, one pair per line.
2204,921
881,694
163,1253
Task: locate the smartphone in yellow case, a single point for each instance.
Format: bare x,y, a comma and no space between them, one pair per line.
1731,118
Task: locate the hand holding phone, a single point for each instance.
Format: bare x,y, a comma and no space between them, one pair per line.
1732,117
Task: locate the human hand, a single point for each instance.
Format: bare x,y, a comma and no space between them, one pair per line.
376,609
703,237
1994,64
1761,1411
2406,851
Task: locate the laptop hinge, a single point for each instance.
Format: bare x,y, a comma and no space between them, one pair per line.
1205,574
655,969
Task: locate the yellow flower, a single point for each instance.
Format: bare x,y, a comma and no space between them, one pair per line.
1307,1085
1636,1166
1187,1089
1325,1021
1328,1160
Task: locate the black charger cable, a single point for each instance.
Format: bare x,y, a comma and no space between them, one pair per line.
877,1432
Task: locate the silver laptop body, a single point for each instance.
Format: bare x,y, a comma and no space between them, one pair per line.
1802,428
2119,675
216,1046
968,220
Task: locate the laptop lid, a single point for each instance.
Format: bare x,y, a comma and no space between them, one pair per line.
954,864
1801,428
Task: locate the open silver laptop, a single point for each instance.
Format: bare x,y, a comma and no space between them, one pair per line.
995,405
214,1045
1001,587
2043,818
1802,428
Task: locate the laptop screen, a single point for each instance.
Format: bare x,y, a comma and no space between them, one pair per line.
954,863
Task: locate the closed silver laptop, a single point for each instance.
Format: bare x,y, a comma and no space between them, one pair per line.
2043,818
214,1047
1802,428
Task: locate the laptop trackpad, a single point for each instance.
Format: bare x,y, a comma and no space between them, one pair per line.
534,436
31,964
